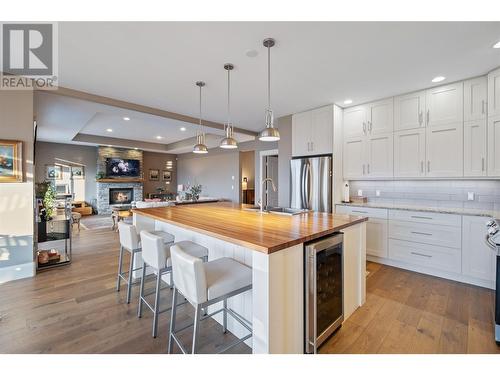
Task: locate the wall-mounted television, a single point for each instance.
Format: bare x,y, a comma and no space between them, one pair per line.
116,167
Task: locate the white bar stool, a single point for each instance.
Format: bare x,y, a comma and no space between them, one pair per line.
156,254
204,284
129,240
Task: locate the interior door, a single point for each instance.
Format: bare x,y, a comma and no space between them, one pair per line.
475,148
272,172
444,151
380,159
381,118
409,153
445,105
409,111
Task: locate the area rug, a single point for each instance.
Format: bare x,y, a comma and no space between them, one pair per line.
99,222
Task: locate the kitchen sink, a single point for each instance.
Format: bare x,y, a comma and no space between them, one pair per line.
277,210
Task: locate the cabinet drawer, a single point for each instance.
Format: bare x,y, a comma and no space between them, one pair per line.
440,235
441,258
426,217
379,213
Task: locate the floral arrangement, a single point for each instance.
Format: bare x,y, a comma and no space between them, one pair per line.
195,191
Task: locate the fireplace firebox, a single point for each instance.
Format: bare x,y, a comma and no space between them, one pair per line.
121,196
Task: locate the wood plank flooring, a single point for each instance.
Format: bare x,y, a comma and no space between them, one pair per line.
76,309
407,312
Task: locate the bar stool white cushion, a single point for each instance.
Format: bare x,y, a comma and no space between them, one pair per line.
193,249
167,237
225,275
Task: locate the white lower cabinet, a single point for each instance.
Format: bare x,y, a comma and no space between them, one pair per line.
445,245
478,259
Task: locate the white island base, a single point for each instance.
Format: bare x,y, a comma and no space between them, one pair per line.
275,305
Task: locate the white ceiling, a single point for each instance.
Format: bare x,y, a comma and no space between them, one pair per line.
313,64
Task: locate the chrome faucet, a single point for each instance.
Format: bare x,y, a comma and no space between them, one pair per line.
260,202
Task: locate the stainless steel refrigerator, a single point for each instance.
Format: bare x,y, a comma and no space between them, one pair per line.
311,183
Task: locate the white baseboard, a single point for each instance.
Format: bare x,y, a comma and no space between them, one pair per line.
434,272
18,271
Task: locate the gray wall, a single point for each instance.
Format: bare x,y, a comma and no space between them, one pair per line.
16,199
156,160
49,153
216,169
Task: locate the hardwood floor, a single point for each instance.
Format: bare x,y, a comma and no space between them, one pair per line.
77,310
407,312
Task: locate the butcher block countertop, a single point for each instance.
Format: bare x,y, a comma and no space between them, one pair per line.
265,232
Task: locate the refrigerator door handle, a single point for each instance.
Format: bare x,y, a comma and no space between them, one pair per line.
308,187
303,181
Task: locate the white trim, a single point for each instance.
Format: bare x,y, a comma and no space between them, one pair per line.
258,181
433,272
17,271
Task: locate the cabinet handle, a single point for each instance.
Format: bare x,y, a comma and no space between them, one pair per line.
482,105
363,169
359,212
312,146
428,116
428,165
420,118
370,125
421,255
422,233
368,169
364,127
421,217
422,166
482,164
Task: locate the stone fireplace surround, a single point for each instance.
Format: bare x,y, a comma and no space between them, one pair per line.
103,206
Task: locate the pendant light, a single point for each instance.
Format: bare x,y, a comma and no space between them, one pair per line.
200,147
270,133
228,141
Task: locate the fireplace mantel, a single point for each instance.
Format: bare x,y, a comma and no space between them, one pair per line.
120,180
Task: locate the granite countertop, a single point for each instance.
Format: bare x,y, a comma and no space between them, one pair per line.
266,233
441,210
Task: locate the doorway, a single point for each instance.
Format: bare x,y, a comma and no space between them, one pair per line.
269,169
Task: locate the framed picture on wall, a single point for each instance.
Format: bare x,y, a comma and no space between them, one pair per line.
11,161
53,172
167,176
154,175
77,172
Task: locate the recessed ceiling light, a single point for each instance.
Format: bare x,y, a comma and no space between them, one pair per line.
183,129
438,79
496,45
126,118
109,130
251,53
159,137
348,101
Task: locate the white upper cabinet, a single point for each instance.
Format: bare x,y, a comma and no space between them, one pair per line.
380,117
409,153
355,121
494,93
322,130
354,158
312,132
409,111
494,146
445,105
475,142
301,133
475,96
444,151
379,150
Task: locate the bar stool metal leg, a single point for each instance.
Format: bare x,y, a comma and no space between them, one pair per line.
130,270
120,261
196,328
224,317
141,290
172,320
157,304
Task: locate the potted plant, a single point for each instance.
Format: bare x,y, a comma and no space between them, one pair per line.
195,191
46,196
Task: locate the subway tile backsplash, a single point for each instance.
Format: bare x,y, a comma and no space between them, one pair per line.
432,193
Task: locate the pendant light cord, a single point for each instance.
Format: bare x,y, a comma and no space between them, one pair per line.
228,97
201,126
268,77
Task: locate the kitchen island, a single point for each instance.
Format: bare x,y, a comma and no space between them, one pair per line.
273,245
